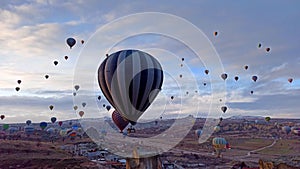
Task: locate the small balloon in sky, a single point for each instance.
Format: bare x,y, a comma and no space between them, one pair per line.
224,76
251,92
46,76
172,97
19,81
180,76
290,80
99,97
82,41
224,109
204,84
66,57
17,89
55,62
236,78
2,117
216,33
75,107
259,45
246,67
51,107
81,113
71,42
182,59
206,71
76,87
254,78
268,49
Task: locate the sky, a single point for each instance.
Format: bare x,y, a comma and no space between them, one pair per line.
33,35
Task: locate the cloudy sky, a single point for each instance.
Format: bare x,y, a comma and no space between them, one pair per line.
33,35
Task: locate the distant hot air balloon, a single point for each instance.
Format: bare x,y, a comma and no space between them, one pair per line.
251,92
236,78
181,65
2,117
286,129
81,113
5,126
206,71
83,104
219,144
108,107
268,49
204,84
76,87
66,57
254,78
172,97
267,119
221,119
224,109
120,122
28,122
217,129
19,81
74,93
75,107
290,80
43,125
130,93
216,33
53,119
180,76
71,42
46,76
51,107
55,62
17,89
259,45
82,41
103,105
224,76
182,59
246,67
60,123
198,132
99,97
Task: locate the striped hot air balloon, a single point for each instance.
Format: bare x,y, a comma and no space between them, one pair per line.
130,80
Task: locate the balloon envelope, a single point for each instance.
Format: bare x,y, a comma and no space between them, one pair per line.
81,113
71,42
43,125
224,76
53,119
2,117
130,80
28,122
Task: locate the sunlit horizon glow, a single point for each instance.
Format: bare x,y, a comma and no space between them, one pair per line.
33,35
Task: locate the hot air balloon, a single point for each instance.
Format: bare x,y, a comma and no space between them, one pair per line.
28,122
219,144
75,107
268,49
120,122
172,97
5,126
221,119
29,130
82,41
99,97
251,92
2,117
74,94
43,125
181,65
259,45
108,107
51,107
66,57
83,104
182,59
180,76
217,128
286,129
71,42
81,113
224,76
236,78
216,33
130,86
17,89
55,62
204,84
267,119
198,132
224,109
206,71
246,67
46,76
254,78
53,119
103,105
19,81
290,80
60,123
76,87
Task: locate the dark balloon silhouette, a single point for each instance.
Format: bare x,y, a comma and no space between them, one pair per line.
82,41
60,123
71,42
180,76
182,59
74,94
216,33
76,87
130,96
108,107
17,89
254,78
28,122
66,57
224,76
83,104
51,107
246,67
53,119
259,45
172,97
236,78
43,125
2,117
268,49
46,76
55,62
224,109
81,113
99,97
290,80
19,81
120,122
206,72
251,92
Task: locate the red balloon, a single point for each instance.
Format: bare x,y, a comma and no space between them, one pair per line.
120,121
60,123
